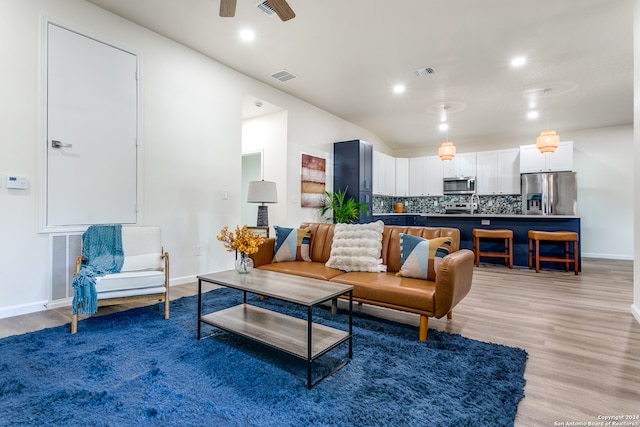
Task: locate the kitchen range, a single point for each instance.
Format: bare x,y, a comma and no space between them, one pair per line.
460,208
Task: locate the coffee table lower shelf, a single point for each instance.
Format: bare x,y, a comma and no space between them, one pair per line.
283,332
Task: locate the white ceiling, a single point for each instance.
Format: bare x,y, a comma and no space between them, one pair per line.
348,54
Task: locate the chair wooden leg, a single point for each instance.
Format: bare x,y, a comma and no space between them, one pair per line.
424,325
530,249
575,257
74,323
476,250
166,308
537,256
511,253
450,314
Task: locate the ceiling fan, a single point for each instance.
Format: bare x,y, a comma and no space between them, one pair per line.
281,7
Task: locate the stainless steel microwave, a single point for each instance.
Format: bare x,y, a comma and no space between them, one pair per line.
459,185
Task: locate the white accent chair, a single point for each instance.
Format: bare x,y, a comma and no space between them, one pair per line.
144,275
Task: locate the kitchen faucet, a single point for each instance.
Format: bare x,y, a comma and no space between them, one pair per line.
473,207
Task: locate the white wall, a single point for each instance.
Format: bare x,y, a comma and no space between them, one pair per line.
269,134
191,145
635,307
605,190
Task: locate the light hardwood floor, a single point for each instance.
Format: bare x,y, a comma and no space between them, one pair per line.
583,342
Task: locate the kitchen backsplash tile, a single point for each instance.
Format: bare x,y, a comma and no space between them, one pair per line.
507,205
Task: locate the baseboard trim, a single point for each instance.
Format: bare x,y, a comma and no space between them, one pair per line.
608,256
183,280
635,311
66,302
18,310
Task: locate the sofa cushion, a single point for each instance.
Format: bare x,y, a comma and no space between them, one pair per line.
321,240
390,290
420,257
292,244
312,270
356,247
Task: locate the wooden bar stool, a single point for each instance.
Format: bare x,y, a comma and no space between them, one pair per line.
554,236
484,233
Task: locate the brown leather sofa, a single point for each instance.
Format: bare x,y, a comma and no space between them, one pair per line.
426,298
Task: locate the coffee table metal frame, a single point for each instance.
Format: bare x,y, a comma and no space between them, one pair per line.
304,339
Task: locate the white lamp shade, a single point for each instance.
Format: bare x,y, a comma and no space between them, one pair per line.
262,192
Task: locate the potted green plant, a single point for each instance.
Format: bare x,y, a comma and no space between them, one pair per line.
344,211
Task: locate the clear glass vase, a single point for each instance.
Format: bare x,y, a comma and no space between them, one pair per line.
244,264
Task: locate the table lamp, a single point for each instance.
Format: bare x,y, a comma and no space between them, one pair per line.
262,192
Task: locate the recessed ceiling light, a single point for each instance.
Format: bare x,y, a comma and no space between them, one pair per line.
247,35
532,115
519,61
399,89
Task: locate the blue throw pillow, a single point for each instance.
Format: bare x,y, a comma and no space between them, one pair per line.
420,257
292,244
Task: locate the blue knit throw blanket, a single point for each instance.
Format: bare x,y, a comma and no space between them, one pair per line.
102,248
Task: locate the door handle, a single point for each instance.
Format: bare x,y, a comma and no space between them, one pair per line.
59,144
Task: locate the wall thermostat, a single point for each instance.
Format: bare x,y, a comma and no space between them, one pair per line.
19,182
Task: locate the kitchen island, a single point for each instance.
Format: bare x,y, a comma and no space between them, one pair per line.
520,224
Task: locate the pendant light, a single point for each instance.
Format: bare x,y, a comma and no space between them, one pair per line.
447,150
548,140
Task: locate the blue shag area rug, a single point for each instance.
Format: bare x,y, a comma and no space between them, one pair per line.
135,368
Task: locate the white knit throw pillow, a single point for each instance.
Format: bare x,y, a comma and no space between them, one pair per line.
356,247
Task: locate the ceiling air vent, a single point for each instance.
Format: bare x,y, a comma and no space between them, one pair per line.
422,72
283,76
266,8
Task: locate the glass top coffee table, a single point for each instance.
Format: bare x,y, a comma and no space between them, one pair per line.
301,338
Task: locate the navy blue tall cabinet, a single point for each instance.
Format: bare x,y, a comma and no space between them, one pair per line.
352,169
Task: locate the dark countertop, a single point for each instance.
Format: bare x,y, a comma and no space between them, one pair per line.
510,216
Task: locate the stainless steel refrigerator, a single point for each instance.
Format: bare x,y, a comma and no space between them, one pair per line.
549,193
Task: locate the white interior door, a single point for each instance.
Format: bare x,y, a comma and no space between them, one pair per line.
91,131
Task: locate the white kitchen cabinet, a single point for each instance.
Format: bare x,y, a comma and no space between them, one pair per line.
509,171
389,178
425,176
487,172
433,176
402,177
498,172
463,164
417,176
532,160
384,174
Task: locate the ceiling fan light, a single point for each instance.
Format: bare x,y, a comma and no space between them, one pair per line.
447,150
548,141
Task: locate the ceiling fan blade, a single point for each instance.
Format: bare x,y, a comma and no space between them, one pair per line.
227,8
282,8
